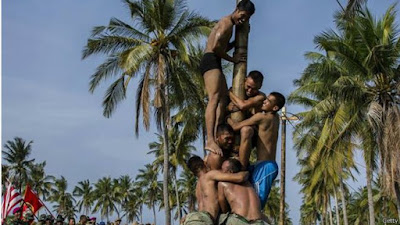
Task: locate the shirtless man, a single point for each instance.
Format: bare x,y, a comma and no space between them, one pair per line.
251,105
206,191
211,69
241,198
225,139
264,172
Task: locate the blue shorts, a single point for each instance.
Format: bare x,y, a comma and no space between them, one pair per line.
262,175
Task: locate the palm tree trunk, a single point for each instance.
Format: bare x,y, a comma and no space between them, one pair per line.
397,193
141,214
344,207
154,214
322,218
177,197
167,126
330,211
370,198
337,208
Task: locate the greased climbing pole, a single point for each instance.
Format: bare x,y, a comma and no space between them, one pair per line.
240,69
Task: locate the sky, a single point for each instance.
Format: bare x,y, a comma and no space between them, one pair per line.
45,83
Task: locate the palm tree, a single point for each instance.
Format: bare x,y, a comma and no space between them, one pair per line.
159,36
84,189
40,182
4,176
140,199
147,180
124,188
132,207
106,200
272,207
367,51
187,182
63,199
16,154
179,139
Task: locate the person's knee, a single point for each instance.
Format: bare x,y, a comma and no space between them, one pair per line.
246,132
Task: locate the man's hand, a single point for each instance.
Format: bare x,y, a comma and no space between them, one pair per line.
232,107
240,57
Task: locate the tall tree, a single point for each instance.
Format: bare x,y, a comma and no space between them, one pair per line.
64,200
40,182
160,34
106,200
16,154
85,191
147,180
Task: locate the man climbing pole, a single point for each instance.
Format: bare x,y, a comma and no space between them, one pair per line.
211,69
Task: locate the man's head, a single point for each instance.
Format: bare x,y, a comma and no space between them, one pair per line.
274,102
225,137
49,219
253,83
42,218
118,221
17,212
231,165
244,10
83,219
71,221
196,164
60,219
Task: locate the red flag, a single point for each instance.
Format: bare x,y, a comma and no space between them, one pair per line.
31,200
11,198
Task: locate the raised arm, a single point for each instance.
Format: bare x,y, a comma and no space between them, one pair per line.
248,103
223,204
254,120
217,175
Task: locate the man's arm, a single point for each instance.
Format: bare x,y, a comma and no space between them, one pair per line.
217,175
220,48
223,204
254,120
248,103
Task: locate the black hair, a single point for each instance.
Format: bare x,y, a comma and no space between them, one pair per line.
257,76
195,164
246,5
279,99
234,165
224,128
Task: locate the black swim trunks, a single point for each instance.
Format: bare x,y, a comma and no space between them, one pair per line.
210,61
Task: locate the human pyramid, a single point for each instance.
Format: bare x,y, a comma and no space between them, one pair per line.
229,190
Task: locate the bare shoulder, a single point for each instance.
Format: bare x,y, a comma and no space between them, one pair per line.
224,23
269,118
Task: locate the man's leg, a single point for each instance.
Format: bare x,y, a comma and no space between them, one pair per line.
262,177
214,161
246,135
212,81
223,102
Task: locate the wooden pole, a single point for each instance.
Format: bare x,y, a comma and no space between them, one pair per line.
283,169
240,69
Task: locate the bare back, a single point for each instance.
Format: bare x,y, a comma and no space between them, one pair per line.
207,196
220,35
242,199
267,137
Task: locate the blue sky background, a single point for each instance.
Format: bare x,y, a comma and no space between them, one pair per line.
45,94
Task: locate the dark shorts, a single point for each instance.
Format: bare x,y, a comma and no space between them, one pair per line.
209,62
262,175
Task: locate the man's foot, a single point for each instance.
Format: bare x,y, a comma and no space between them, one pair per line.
213,147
